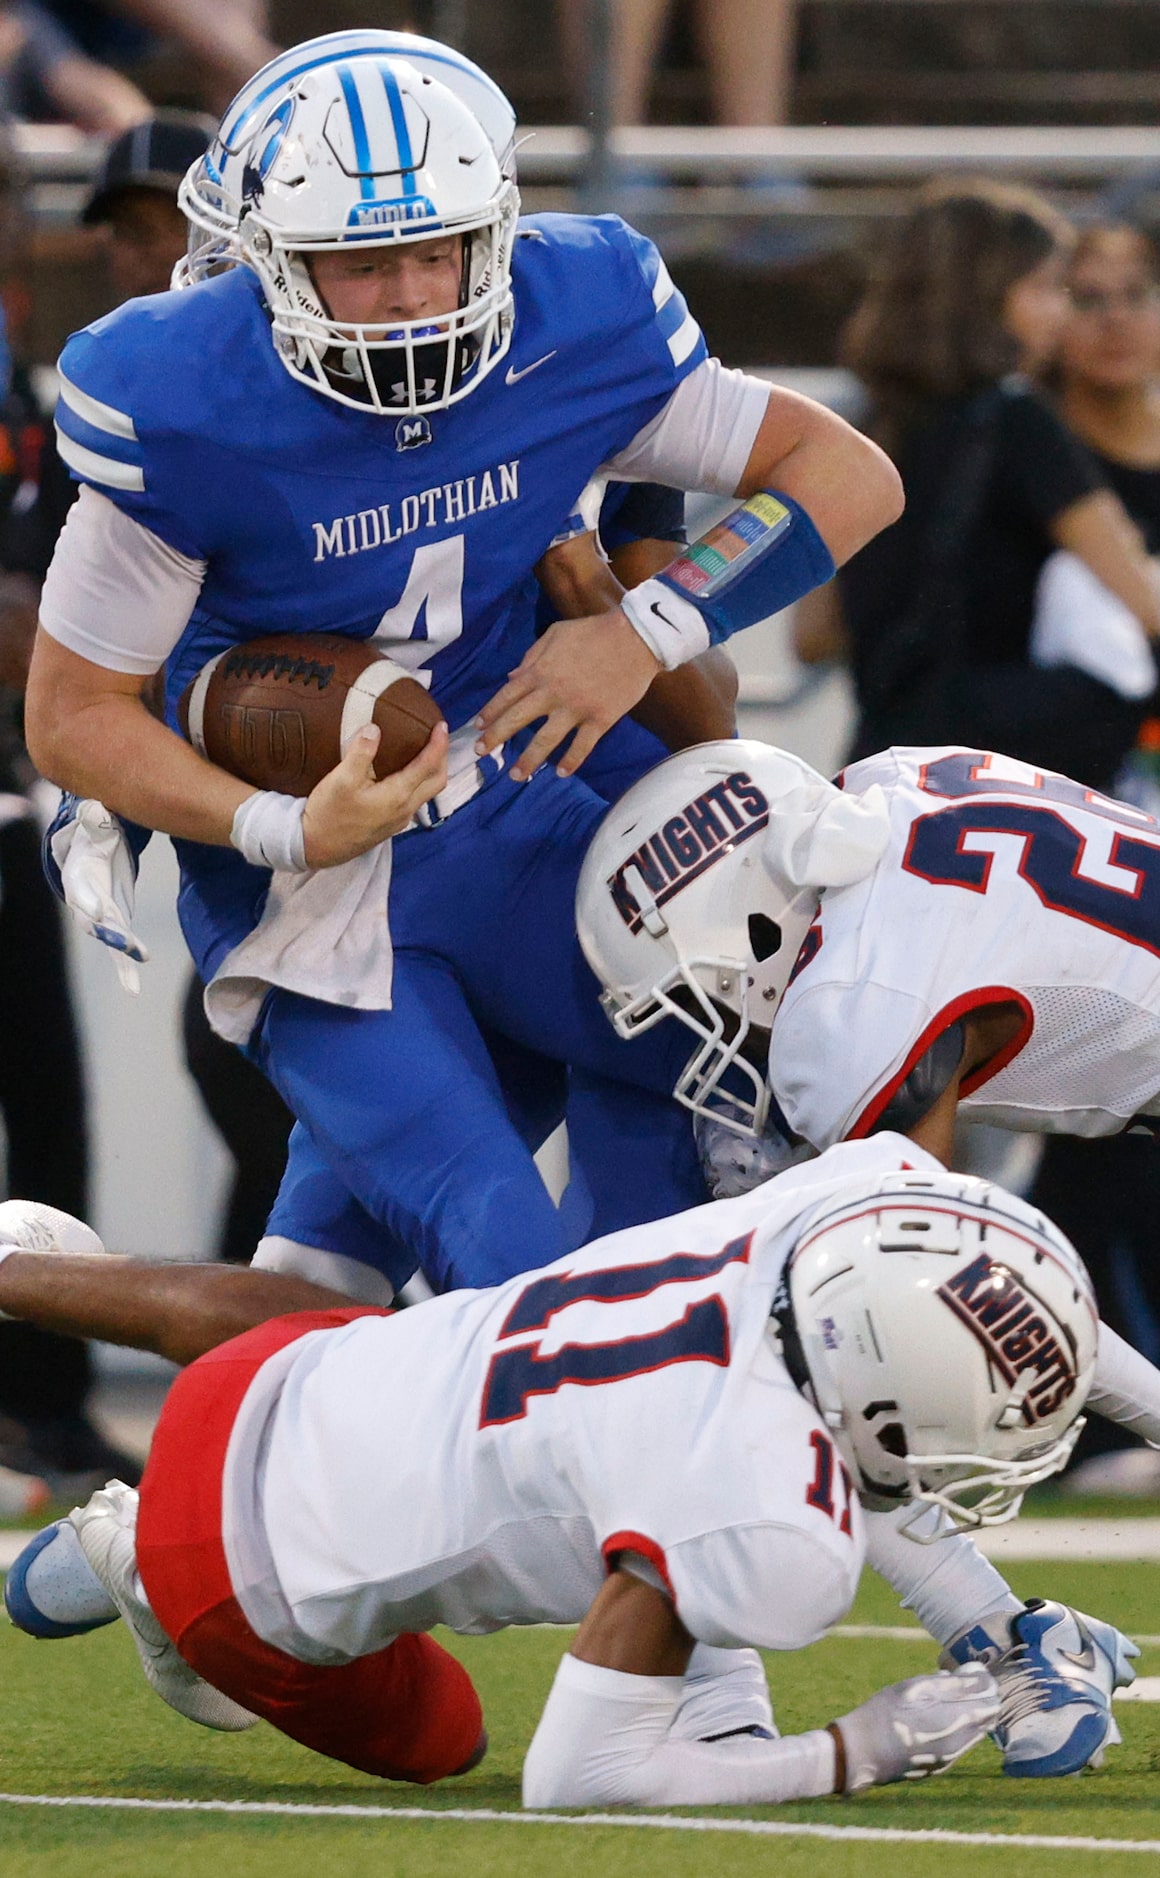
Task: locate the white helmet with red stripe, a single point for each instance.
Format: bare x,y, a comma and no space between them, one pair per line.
947,1334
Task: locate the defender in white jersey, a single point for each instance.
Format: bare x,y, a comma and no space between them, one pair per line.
621,1440
948,926
1004,894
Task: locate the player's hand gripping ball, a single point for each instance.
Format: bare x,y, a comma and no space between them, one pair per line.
281,712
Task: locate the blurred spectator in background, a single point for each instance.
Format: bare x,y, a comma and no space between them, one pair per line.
134,200
1103,1193
748,47
45,75
966,305
1109,362
133,210
45,1431
134,207
76,59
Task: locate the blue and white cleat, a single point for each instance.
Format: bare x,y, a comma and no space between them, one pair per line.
52,1591
1056,1670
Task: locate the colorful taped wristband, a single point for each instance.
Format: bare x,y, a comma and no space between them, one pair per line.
761,557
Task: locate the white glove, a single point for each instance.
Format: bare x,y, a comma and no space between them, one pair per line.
98,876
31,1226
918,1727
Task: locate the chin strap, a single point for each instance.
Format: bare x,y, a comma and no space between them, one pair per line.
792,1354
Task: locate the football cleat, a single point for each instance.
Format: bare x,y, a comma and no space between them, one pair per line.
1056,1670
52,1591
107,1530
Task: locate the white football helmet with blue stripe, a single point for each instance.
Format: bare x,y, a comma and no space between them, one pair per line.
345,140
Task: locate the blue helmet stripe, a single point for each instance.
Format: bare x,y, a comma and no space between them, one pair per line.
229,131
421,56
399,124
362,148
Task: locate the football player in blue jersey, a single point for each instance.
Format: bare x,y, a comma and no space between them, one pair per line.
625,1163
371,413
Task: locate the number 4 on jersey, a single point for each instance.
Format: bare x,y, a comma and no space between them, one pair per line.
428,615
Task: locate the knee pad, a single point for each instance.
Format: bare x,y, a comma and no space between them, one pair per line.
332,1269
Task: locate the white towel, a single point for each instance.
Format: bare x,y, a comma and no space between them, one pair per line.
325,934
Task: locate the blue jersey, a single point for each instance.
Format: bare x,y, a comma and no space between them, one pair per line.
312,516
641,512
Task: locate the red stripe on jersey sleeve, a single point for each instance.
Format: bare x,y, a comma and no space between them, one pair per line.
646,1548
950,1014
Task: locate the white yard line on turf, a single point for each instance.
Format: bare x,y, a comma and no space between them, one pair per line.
1086,1540
910,1633
663,1822
1075,1539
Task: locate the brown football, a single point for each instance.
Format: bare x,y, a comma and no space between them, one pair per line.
280,712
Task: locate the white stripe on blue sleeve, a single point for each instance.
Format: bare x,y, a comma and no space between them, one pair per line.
99,469
101,416
682,342
663,289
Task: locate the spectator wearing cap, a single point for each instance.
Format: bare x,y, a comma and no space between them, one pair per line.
134,199
133,207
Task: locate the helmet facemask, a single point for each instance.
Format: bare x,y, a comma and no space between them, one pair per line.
361,149
726,1002
399,367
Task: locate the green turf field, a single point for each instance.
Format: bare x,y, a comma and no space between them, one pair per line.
78,1720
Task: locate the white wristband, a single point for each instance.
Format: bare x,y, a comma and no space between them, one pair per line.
673,629
267,829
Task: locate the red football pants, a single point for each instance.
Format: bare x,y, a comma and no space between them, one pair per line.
408,1712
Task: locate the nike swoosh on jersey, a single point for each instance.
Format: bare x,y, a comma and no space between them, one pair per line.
512,377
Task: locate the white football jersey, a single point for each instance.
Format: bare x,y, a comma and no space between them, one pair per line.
477,1461
1000,882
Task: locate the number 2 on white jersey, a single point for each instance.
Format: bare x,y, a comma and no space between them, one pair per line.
428,616
1053,850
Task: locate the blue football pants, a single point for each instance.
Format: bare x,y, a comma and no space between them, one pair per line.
405,1108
